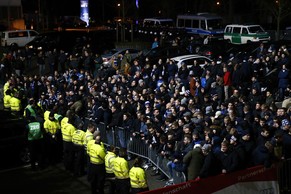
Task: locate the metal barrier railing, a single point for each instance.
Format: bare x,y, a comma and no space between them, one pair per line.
121,137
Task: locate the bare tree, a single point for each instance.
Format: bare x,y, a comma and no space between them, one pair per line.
280,9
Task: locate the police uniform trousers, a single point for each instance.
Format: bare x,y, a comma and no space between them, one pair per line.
36,148
96,178
79,160
68,152
122,185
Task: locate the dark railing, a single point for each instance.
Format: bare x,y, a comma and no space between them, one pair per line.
138,147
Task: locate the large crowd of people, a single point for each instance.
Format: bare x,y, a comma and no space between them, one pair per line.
205,121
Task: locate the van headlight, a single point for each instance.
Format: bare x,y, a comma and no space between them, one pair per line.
39,48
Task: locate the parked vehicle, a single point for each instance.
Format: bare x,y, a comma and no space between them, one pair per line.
114,53
243,34
158,22
214,49
165,52
17,38
189,60
202,24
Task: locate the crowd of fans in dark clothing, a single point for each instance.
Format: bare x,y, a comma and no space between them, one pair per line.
225,109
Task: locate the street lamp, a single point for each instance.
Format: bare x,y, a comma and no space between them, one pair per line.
118,5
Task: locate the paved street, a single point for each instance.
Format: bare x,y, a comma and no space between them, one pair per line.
52,180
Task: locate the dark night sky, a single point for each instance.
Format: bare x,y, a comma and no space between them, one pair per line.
244,11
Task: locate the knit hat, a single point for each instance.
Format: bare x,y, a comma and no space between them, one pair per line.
147,103
208,109
206,148
217,114
197,146
245,132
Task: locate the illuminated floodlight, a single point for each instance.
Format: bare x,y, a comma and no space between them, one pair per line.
84,11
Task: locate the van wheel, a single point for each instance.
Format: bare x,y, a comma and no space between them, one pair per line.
249,42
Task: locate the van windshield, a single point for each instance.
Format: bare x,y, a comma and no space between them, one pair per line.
214,24
256,29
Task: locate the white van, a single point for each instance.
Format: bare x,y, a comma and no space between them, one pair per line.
158,22
17,38
243,34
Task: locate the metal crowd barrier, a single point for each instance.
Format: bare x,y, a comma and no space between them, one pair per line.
137,146
120,137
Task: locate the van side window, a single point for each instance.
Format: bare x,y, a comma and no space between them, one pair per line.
181,23
236,30
18,34
244,31
195,23
12,34
188,23
228,29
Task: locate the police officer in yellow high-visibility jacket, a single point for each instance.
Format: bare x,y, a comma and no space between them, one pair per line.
88,137
65,119
121,172
6,100
15,104
79,152
46,114
68,150
96,171
53,139
7,86
137,176
109,163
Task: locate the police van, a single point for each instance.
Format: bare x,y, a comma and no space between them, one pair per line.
243,34
202,24
17,38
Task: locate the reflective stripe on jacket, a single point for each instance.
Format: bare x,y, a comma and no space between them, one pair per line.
88,137
6,101
31,110
120,168
67,132
137,178
51,126
97,154
15,104
109,160
78,137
